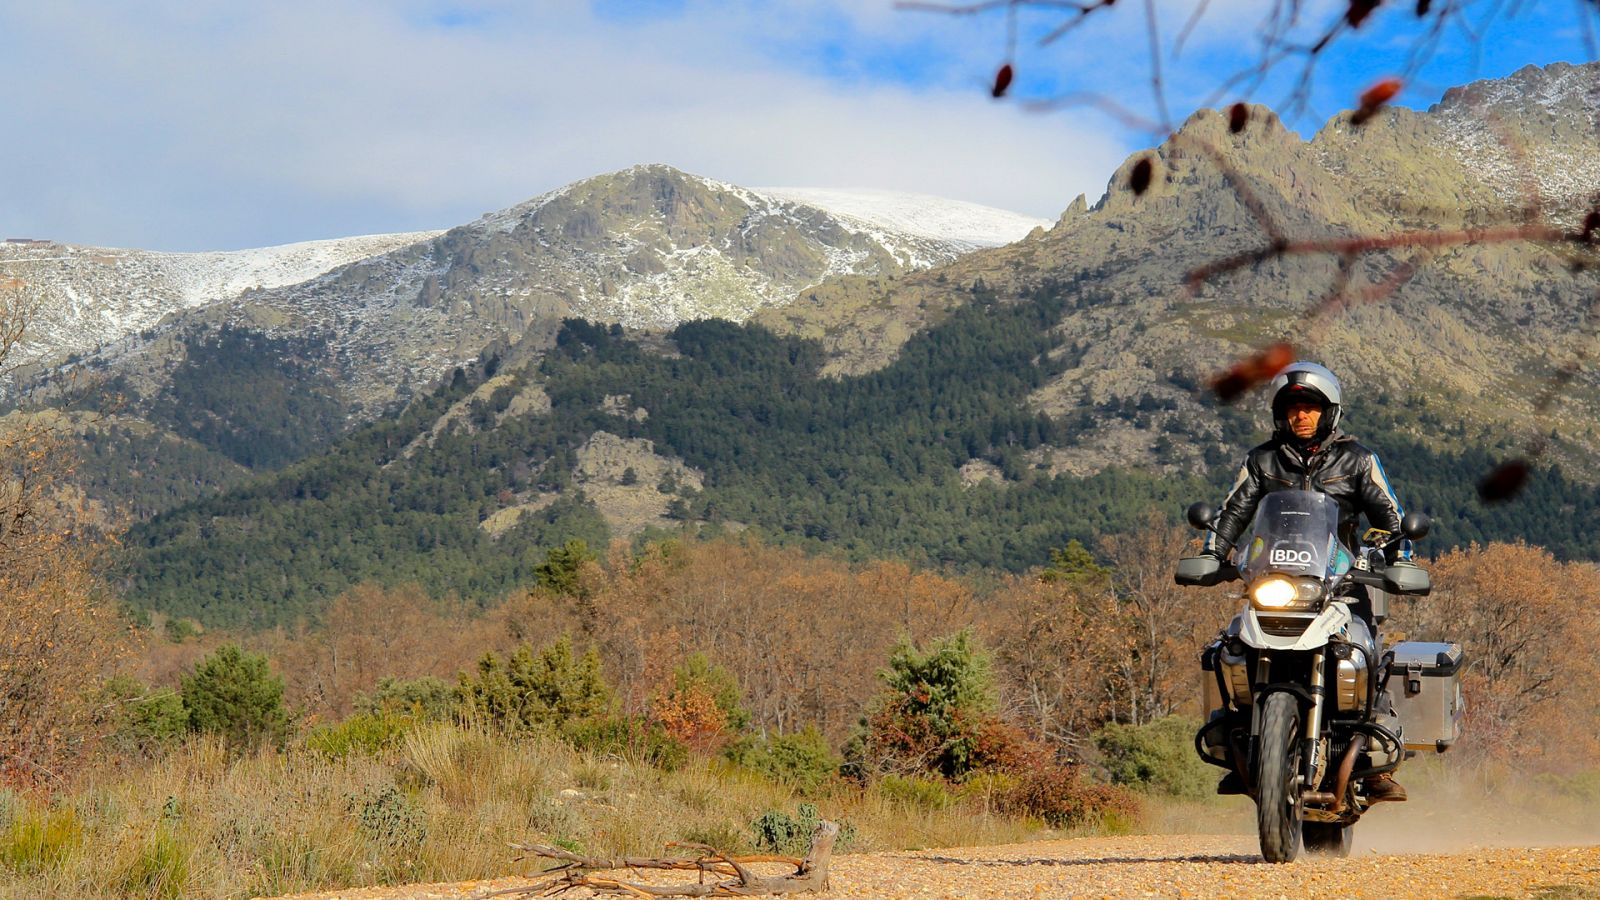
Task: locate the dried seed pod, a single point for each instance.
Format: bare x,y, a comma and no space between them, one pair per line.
1591,225
1358,11
1423,6
1238,117
1505,482
1139,177
1002,81
1256,369
1374,98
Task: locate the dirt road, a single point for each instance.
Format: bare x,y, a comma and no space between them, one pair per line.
1199,866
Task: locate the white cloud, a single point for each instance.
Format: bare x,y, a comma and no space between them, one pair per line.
184,126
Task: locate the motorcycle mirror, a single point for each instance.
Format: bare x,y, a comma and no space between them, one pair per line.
1201,514
1415,525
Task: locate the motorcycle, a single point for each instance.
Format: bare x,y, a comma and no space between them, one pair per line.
1297,685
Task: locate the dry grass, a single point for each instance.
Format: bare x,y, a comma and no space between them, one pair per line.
440,806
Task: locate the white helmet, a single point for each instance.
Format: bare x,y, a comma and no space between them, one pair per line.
1304,381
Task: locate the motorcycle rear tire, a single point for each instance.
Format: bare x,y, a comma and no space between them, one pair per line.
1328,838
1278,779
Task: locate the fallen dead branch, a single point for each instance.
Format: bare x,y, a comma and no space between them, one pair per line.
577,871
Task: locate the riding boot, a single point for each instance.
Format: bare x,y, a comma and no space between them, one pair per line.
1383,788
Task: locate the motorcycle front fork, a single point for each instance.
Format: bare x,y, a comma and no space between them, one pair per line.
1310,757
1311,735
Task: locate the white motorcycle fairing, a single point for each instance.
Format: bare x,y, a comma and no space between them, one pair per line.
1331,621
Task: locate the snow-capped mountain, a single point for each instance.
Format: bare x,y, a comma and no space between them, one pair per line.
954,222
647,247
1530,136
90,296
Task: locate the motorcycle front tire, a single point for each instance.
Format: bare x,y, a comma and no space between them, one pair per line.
1277,778
1328,838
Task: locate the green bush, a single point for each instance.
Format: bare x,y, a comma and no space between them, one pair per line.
527,690
628,738
428,699
391,819
361,733
776,831
142,721
161,868
38,841
233,693
802,759
553,819
916,790
933,713
1158,756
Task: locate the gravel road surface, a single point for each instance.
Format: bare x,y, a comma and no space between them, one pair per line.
1158,866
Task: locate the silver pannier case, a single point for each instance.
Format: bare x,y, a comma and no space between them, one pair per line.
1425,684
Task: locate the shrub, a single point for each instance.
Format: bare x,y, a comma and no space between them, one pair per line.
180,630
701,705
160,869
776,831
631,739
1064,798
552,819
935,706
428,698
802,759
1158,756
233,693
987,789
361,733
38,841
142,721
690,715
916,790
525,690
390,819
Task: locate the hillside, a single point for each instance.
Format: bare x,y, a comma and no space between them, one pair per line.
91,296
976,415
262,378
931,460
1476,331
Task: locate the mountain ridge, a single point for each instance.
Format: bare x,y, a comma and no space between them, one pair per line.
648,246
1483,323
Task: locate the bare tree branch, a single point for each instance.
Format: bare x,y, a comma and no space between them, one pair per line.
577,871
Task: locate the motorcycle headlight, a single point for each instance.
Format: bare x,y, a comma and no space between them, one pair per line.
1276,592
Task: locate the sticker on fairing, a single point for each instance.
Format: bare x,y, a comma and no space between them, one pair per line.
1254,553
1292,554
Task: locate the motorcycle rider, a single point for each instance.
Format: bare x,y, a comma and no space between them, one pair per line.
1307,451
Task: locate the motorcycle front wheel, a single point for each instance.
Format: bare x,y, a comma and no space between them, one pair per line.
1328,838
1277,778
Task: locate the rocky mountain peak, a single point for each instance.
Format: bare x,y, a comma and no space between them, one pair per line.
649,246
1553,89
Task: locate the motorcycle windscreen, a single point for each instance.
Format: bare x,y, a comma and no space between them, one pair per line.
1294,533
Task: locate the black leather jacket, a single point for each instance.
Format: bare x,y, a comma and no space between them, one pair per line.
1341,468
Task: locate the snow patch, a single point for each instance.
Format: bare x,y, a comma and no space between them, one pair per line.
936,218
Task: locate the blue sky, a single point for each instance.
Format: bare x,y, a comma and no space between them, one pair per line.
210,125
